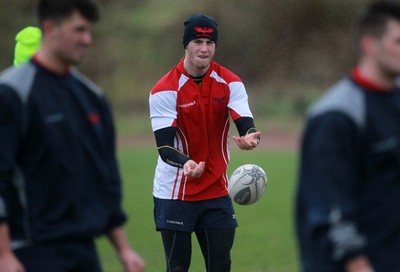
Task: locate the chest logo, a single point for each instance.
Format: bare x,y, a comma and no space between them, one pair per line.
94,118
219,99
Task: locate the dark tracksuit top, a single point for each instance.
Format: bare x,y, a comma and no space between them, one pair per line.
348,198
58,172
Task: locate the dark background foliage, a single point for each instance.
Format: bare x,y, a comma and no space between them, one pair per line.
286,51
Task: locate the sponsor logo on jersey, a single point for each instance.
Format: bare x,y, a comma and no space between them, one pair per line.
53,118
188,104
386,145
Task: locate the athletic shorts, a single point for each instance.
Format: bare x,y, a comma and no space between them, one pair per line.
190,216
60,256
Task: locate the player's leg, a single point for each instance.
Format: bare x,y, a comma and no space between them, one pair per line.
85,256
178,250
216,245
175,220
215,231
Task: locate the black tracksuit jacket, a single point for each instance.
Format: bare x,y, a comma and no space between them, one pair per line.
348,197
59,177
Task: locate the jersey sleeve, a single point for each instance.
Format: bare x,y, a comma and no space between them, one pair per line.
163,111
238,101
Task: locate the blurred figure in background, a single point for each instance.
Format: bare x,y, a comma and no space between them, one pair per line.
27,43
59,181
348,198
190,111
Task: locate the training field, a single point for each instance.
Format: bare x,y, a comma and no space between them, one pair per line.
264,240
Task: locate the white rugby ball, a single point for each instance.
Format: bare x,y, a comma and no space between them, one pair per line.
247,184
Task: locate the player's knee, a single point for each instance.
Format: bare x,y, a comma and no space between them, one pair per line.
220,265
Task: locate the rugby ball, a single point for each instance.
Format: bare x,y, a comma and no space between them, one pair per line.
247,184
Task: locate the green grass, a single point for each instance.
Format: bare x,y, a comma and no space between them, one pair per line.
264,240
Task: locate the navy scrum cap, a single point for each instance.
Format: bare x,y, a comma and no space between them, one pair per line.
200,26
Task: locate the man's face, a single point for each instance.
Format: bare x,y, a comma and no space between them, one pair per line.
70,38
199,53
387,50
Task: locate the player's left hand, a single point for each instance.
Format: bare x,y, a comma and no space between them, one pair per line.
359,264
249,141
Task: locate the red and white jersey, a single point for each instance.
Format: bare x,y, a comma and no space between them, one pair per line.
201,115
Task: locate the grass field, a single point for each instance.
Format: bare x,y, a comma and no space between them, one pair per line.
264,240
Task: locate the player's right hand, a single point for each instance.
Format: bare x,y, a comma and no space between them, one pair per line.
191,169
249,141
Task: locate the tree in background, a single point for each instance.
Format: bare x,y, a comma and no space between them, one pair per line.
281,48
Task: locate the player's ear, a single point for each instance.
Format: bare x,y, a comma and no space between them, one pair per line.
48,26
368,44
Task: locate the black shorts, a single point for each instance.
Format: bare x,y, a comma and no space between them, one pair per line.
60,256
190,216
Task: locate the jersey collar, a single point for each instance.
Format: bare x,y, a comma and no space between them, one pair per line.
38,62
366,83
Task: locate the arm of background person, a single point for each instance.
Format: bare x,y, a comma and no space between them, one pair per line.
8,261
10,127
330,181
359,264
130,259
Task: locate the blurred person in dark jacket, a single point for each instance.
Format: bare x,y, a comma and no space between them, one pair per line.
59,180
348,198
